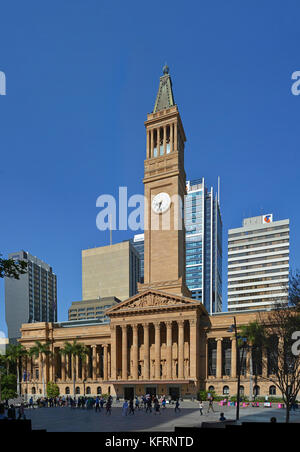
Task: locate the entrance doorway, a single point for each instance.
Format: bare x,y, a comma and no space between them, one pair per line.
174,392
129,393
151,390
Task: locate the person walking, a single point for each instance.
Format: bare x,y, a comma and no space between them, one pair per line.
21,412
149,405
210,405
97,404
137,403
131,407
177,404
156,407
108,406
125,408
201,407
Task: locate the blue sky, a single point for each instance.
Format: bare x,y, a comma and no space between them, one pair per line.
81,77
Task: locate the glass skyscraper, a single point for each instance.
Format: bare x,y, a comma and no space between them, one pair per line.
203,225
203,245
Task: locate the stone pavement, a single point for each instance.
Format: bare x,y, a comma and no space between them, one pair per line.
82,420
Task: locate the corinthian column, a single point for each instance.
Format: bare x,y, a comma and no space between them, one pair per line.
94,362
105,362
233,357
124,353
169,349
157,351
135,352
180,348
113,351
219,357
146,372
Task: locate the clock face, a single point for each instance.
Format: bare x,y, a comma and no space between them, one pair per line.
161,202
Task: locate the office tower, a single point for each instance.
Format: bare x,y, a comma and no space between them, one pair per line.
91,309
258,263
32,298
138,243
110,271
203,225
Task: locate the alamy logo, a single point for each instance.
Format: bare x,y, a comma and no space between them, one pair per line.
296,344
295,88
2,84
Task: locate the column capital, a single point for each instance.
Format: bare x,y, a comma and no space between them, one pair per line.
169,323
135,326
145,325
218,339
157,324
180,322
232,338
192,321
124,327
104,345
94,346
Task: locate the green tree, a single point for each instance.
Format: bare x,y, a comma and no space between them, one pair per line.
12,268
13,357
281,329
52,389
39,350
8,386
74,349
253,332
2,372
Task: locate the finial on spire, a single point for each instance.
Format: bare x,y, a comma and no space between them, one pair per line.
165,69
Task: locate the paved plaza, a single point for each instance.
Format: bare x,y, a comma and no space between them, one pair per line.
82,420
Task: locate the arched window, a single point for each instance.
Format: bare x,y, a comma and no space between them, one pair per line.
242,390
33,390
88,390
108,390
256,390
67,390
211,389
77,390
225,390
99,390
272,390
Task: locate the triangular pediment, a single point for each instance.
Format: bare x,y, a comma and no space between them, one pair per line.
152,299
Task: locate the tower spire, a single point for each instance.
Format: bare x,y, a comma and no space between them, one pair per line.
164,98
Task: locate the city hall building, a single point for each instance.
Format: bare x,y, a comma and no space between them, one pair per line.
161,340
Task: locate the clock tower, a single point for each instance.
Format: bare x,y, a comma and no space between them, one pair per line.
164,183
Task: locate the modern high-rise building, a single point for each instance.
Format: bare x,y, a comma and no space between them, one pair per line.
203,225
110,271
91,309
138,243
258,263
203,245
32,298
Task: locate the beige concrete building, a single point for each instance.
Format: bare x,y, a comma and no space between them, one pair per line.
91,309
159,341
110,271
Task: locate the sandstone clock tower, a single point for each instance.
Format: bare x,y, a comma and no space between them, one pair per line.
164,182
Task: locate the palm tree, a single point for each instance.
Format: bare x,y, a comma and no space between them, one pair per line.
74,349
253,333
9,357
2,363
40,349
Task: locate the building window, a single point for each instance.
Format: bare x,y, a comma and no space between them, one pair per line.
88,390
256,390
99,390
211,389
272,390
77,390
242,390
225,390
67,391
33,390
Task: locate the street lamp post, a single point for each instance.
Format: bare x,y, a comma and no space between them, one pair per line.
231,329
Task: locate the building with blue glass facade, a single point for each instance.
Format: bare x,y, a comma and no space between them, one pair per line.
203,225
138,243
